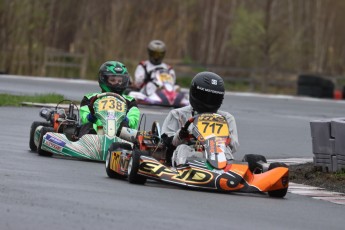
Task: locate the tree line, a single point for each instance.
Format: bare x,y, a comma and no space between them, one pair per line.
271,35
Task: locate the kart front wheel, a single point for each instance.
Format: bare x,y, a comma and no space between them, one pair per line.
40,151
280,193
253,160
133,168
33,128
114,147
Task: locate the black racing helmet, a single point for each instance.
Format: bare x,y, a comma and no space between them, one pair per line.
206,92
113,77
156,50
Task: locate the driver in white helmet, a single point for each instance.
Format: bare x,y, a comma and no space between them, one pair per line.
206,95
143,77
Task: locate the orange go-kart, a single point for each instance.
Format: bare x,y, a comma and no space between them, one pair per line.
208,167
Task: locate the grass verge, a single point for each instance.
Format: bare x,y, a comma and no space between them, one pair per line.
15,100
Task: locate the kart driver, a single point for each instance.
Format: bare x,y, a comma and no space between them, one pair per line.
143,80
112,77
206,94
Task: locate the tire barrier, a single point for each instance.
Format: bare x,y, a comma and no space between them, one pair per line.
328,144
315,86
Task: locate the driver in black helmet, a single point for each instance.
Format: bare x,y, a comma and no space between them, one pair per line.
112,77
143,77
206,94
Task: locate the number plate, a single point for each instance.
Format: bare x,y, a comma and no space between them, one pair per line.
166,77
111,104
215,124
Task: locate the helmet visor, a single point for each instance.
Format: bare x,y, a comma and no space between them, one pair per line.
115,80
156,55
117,83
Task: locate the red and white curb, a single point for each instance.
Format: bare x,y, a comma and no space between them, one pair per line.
311,191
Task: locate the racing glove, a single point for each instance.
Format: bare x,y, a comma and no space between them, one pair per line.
180,137
91,118
183,134
124,123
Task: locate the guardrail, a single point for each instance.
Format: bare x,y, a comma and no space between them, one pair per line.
62,60
328,143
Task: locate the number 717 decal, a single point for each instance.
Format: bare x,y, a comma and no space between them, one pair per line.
212,126
207,128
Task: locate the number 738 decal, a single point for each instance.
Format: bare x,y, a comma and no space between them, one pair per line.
111,104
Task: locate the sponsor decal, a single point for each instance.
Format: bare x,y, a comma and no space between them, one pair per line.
229,182
53,145
119,161
218,171
212,117
210,90
115,161
285,181
188,175
55,141
118,69
111,115
130,131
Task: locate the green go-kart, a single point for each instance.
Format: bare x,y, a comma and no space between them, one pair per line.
59,134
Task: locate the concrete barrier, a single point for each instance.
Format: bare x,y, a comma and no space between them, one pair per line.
328,143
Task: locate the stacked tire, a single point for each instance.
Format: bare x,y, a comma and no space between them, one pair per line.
315,86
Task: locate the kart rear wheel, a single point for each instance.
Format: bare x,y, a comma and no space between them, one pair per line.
133,168
281,192
114,147
40,151
33,128
253,160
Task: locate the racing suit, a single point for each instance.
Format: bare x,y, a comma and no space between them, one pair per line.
133,113
143,79
176,147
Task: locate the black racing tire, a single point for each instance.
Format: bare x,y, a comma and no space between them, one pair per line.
33,128
253,160
280,193
309,80
114,147
133,168
40,151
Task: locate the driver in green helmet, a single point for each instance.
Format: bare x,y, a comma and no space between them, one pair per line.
112,77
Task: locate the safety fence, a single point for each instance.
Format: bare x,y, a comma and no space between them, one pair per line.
328,143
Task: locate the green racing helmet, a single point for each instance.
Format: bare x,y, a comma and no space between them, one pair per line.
113,77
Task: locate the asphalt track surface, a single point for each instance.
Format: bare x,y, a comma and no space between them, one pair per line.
58,193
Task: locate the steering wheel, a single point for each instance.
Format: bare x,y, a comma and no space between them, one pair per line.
156,131
94,98
188,122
